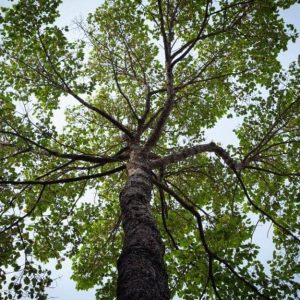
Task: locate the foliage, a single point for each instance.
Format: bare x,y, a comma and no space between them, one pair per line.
156,74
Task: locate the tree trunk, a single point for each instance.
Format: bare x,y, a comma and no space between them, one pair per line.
141,270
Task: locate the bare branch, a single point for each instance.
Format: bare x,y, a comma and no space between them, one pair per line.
186,48
22,151
227,6
188,199
120,88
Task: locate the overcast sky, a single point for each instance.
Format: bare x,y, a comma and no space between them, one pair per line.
70,9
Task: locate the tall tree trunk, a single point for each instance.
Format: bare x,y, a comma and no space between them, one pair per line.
141,269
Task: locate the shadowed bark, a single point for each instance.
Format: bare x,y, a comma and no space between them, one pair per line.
141,270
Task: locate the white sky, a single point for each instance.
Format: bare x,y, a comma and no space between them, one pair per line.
222,132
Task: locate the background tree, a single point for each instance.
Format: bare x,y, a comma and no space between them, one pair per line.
148,78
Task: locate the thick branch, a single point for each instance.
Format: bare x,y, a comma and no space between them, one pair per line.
235,166
191,151
169,103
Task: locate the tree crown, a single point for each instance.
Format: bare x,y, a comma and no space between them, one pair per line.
148,78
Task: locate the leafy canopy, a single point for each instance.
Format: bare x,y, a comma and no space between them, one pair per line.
156,73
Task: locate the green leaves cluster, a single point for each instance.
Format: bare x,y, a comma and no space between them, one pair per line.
120,68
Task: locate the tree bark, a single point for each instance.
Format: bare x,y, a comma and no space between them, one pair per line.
141,270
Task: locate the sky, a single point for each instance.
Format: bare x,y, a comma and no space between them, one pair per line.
64,287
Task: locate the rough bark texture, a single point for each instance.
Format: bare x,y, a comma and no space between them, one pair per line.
141,270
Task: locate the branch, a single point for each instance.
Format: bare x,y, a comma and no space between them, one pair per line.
121,90
263,212
27,214
204,289
19,152
194,212
233,165
189,45
163,215
168,105
244,3
270,132
101,112
186,48
211,276
236,167
163,31
196,79
47,151
146,111
271,171
188,199
62,180
146,125
68,89
194,150
60,167
166,110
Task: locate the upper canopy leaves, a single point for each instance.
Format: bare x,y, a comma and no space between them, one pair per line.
152,75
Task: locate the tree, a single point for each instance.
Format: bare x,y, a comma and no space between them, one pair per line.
148,78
